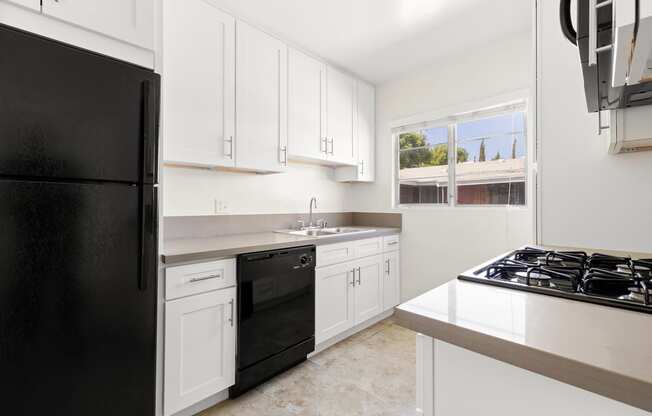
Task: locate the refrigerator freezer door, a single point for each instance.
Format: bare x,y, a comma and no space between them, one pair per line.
71,114
77,321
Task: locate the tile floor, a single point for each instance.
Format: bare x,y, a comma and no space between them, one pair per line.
371,373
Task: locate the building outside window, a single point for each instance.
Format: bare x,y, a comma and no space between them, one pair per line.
476,158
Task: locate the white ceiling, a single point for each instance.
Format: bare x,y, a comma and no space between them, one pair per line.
381,39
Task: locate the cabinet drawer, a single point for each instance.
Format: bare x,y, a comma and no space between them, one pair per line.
335,253
192,279
368,247
391,243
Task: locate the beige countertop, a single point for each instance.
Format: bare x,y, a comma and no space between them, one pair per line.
198,249
601,349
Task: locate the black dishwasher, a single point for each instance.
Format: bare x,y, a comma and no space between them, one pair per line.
276,314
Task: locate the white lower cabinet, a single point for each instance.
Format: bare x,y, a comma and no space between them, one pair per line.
362,284
334,300
368,288
199,347
391,282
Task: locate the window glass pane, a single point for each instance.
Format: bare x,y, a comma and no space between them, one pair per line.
491,155
423,166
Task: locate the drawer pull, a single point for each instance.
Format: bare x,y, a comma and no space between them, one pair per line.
232,311
393,243
201,279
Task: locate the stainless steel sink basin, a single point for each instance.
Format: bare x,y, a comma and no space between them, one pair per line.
347,230
309,233
326,232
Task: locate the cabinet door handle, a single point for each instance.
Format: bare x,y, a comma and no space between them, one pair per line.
228,141
353,280
388,267
324,142
284,159
359,278
232,311
332,142
209,277
362,164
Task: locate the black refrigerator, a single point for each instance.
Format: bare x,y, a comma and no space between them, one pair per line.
78,231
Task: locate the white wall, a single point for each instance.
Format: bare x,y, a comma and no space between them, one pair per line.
589,198
193,191
439,243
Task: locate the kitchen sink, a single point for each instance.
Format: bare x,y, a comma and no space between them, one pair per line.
309,233
327,232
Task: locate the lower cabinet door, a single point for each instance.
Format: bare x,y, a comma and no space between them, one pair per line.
391,280
334,299
199,348
368,288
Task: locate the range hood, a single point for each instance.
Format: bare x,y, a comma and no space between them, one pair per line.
614,39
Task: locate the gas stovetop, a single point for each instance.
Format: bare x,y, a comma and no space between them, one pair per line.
598,278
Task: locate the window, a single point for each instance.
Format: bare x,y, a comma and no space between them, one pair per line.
423,159
487,166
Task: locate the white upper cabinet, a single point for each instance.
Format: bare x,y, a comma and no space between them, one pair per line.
365,137
340,117
30,4
198,84
306,106
366,131
261,101
131,21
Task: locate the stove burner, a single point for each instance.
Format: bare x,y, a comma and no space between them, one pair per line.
606,262
533,278
639,294
636,269
606,282
599,278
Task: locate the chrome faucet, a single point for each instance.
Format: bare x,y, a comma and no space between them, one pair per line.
313,201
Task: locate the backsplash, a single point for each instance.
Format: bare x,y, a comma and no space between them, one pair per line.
199,192
214,225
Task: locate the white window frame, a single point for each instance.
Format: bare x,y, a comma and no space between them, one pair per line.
450,117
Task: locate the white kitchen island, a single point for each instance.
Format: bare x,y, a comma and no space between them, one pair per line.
485,350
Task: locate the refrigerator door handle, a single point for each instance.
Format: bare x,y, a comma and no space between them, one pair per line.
150,130
148,238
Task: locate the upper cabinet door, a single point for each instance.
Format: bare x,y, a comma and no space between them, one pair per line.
198,83
30,4
261,101
306,106
365,131
131,21
340,115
